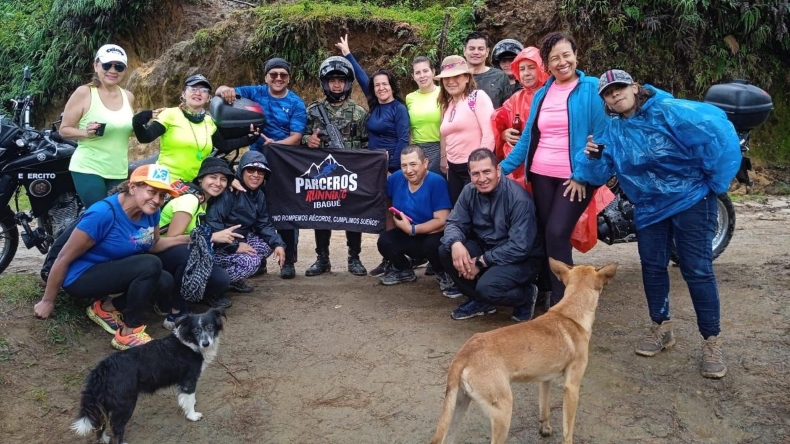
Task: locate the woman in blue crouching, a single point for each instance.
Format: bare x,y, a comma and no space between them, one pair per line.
672,157
247,211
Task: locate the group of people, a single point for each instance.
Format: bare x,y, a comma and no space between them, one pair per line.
488,173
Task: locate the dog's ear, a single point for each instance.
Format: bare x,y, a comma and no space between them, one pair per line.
606,273
220,312
183,320
560,269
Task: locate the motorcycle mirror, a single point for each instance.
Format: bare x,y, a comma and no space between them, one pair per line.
26,73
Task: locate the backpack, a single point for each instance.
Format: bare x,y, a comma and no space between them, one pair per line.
58,244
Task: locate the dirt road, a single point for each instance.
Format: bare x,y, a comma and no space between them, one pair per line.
342,359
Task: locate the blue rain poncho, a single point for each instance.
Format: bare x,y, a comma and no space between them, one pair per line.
667,156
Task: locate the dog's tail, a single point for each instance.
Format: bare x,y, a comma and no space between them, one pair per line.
92,414
450,400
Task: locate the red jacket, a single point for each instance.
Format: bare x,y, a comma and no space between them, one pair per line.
518,103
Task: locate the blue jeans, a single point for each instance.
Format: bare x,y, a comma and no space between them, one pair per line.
693,231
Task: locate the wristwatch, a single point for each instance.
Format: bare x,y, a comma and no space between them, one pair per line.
479,263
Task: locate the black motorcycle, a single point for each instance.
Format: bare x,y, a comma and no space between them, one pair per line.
38,162
747,107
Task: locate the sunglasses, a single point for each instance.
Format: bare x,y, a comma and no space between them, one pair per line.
200,89
119,67
259,171
282,75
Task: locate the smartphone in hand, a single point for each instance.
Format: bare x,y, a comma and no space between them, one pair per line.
397,214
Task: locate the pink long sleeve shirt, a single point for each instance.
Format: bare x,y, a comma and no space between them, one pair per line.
464,130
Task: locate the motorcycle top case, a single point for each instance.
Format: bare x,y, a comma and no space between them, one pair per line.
233,121
747,106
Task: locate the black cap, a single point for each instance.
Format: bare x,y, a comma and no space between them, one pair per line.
197,79
212,165
276,62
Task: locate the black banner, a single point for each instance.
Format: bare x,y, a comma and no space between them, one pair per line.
326,189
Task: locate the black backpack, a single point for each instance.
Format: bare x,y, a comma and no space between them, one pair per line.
54,250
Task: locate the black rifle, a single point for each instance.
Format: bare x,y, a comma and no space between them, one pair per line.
330,132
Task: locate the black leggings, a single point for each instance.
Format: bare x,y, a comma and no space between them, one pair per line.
174,260
140,278
557,216
457,178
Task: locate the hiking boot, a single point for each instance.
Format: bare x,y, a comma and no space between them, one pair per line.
320,266
138,337
172,319
524,312
217,301
240,287
659,338
395,276
381,269
417,263
712,359
288,271
445,281
355,266
110,321
470,309
429,270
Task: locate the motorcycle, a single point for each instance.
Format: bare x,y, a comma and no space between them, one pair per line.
747,107
38,162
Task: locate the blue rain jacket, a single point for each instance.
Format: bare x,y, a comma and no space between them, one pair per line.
667,156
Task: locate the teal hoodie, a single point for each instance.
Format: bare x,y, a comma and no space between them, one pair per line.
585,116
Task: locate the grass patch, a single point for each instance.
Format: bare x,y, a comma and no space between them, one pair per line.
74,379
39,395
19,288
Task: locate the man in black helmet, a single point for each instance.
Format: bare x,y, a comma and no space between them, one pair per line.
337,78
503,54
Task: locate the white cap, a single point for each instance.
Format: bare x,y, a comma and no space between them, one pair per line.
111,53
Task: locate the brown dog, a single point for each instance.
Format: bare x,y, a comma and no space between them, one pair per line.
543,349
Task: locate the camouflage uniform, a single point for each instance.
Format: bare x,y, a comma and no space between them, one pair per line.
349,119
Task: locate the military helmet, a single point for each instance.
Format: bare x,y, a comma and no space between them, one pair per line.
332,67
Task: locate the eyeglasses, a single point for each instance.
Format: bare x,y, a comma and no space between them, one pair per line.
282,75
200,89
259,171
119,67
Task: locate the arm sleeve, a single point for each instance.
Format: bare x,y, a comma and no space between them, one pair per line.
215,218
520,236
483,111
147,133
360,74
310,126
597,123
264,227
248,92
459,222
224,145
402,131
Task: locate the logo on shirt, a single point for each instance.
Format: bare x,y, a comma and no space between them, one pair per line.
143,238
326,184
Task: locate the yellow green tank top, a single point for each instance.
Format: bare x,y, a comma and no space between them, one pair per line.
108,155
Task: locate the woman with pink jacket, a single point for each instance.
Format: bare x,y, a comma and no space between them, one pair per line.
466,122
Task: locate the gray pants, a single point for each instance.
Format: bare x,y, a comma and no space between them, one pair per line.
433,151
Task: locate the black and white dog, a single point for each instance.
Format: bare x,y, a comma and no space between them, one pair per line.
112,388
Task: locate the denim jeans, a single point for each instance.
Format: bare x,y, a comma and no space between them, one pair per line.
693,231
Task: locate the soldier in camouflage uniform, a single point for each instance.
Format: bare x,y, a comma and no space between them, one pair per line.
337,78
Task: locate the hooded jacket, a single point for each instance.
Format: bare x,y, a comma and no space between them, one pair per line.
585,116
667,156
247,209
519,103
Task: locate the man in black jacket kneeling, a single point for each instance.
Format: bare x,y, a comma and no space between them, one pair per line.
490,246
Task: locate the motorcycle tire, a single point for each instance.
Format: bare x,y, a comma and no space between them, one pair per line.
725,228
9,241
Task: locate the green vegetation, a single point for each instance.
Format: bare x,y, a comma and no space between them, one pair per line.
685,46
288,30
19,288
57,39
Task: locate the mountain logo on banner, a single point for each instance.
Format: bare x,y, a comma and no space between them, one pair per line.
326,184
325,168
